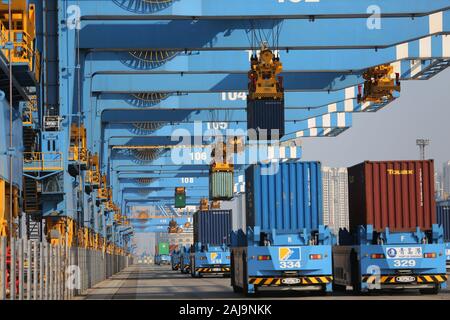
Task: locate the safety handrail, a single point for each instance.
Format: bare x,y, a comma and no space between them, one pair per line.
23,51
43,161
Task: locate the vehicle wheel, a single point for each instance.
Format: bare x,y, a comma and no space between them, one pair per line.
338,287
237,289
245,278
431,291
323,292
356,279
232,269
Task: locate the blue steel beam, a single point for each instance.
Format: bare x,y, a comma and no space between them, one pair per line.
120,83
168,194
211,101
408,70
164,183
186,157
160,222
173,175
184,35
196,133
141,9
238,61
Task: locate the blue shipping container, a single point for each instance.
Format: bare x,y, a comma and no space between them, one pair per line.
443,218
288,199
212,227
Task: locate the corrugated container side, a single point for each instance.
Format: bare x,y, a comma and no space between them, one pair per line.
237,207
394,194
443,218
221,185
266,114
212,227
287,201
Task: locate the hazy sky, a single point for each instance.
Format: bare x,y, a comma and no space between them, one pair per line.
423,111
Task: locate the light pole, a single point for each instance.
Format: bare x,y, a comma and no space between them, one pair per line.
422,143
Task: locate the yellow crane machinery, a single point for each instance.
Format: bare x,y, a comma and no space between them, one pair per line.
60,230
104,192
78,146
23,34
265,82
380,83
220,160
93,173
173,227
215,205
28,110
5,210
235,145
204,205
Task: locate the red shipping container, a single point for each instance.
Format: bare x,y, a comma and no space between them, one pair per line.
394,194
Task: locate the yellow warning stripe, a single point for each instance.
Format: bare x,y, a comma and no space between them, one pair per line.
433,279
224,269
419,279
270,281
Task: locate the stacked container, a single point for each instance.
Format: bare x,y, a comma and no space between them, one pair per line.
266,115
180,198
284,197
221,185
394,194
212,227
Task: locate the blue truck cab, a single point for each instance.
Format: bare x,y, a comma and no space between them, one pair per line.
301,261
371,260
447,253
185,259
175,260
209,259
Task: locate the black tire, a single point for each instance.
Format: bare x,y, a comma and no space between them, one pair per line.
245,278
233,283
431,291
323,292
338,287
237,289
356,278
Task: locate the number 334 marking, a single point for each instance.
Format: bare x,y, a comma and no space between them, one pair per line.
289,264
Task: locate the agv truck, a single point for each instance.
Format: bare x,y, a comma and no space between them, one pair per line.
283,243
185,263
175,260
394,241
210,253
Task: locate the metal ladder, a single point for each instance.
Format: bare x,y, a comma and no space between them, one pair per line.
34,227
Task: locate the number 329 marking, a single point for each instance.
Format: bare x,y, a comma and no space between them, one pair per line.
404,263
289,264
